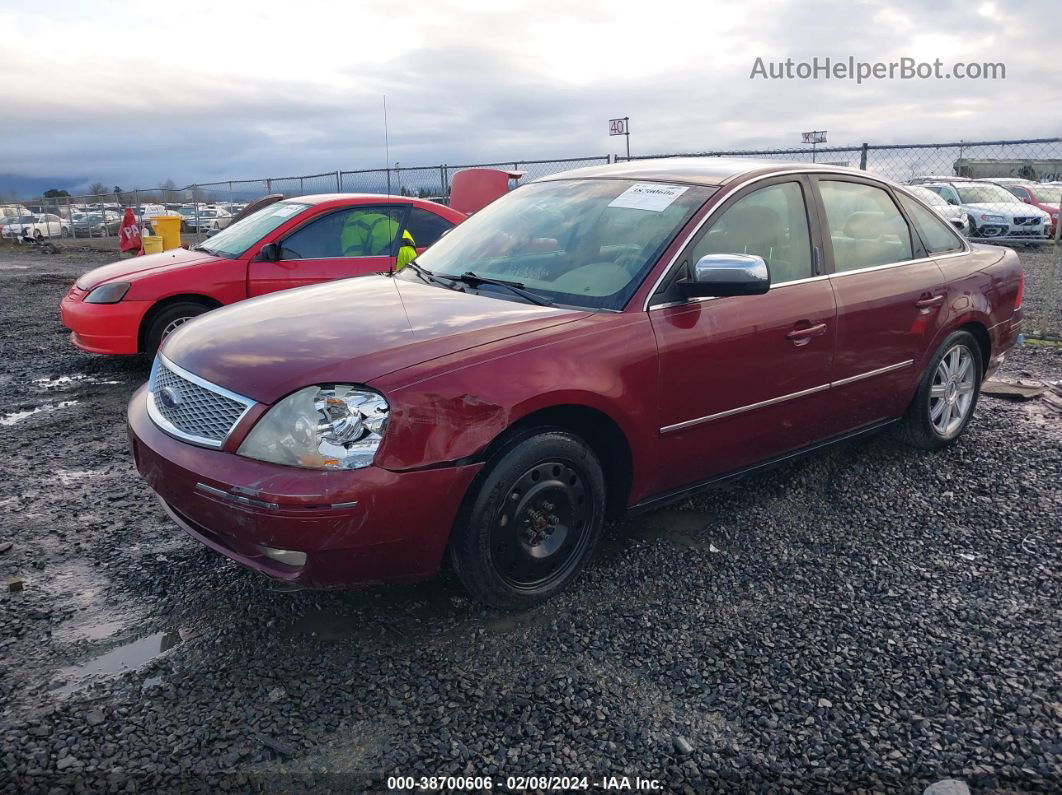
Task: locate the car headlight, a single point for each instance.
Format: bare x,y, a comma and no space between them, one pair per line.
996,219
321,427
110,293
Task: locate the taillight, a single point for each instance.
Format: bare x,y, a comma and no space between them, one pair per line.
1021,290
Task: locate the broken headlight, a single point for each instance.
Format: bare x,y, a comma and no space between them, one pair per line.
321,427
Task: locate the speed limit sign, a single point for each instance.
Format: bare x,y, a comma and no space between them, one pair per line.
617,126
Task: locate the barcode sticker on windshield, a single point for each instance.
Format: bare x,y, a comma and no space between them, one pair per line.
648,196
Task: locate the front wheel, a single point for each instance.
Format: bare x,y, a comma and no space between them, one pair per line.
947,394
169,320
532,523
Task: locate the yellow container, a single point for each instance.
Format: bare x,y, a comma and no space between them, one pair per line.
152,244
168,227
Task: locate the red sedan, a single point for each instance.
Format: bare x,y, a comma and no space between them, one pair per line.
130,306
600,341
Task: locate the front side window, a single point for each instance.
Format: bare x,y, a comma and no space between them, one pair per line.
771,223
577,242
865,225
936,233
353,232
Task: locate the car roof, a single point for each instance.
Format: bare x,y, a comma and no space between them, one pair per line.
707,171
321,198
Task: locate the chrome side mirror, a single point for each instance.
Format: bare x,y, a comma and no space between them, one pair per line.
717,275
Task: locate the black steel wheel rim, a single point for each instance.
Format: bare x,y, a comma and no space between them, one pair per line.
541,529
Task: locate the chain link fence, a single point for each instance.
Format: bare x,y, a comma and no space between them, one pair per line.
996,192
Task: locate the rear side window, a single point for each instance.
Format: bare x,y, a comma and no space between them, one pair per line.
426,227
934,231
865,226
771,223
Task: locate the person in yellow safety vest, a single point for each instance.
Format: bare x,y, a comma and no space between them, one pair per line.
371,235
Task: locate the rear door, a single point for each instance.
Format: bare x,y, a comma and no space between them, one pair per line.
744,378
338,244
889,295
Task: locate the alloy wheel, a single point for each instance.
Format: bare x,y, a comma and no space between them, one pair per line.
173,325
951,394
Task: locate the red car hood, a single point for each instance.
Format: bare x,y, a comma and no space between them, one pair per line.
175,257
349,331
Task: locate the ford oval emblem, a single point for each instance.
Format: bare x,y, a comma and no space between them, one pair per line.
170,397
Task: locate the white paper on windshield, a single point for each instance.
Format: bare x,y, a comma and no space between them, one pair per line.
648,196
290,209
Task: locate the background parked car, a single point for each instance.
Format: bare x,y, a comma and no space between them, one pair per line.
956,216
208,220
97,224
994,212
45,225
1045,197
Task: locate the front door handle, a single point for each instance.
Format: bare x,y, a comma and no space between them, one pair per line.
931,301
802,336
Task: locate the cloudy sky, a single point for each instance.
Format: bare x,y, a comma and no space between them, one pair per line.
133,94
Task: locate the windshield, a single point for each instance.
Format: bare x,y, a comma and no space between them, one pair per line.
981,194
586,243
236,238
1046,194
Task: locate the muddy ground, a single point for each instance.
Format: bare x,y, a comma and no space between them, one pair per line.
870,617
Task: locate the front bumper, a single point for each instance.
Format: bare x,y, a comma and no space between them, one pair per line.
103,328
355,527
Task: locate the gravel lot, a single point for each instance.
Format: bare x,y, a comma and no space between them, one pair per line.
868,618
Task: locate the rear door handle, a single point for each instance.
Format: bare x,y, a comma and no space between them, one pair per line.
927,303
802,336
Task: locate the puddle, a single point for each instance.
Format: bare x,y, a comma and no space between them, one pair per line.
70,476
18,416
127,657
67,381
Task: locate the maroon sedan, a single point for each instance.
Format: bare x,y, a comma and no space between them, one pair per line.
596,342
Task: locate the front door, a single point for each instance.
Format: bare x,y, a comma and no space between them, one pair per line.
744,379
352,241
889,296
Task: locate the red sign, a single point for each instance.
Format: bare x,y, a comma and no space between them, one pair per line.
617,126
129,234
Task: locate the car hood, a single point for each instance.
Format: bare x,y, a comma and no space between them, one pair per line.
349,331
175,257
1008,210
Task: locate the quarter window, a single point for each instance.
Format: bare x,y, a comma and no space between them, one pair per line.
935,232
357,232
771,223
865,226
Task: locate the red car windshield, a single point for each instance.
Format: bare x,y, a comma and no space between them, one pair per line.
585,243
235,239
1046,194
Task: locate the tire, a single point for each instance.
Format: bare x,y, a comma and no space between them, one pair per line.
946,397
166,321
531,521
65,232
37,235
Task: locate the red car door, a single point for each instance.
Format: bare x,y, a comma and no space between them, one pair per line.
888,293
743,379
335,244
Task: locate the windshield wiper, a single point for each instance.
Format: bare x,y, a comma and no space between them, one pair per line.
426,275
207,249
517,288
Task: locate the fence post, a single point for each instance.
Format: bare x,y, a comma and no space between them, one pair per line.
863,157
339,184
446,180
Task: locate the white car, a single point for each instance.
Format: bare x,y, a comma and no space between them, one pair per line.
956,216
209,219
38,227
994,212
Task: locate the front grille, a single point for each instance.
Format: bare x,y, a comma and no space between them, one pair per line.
192,408
1022,220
